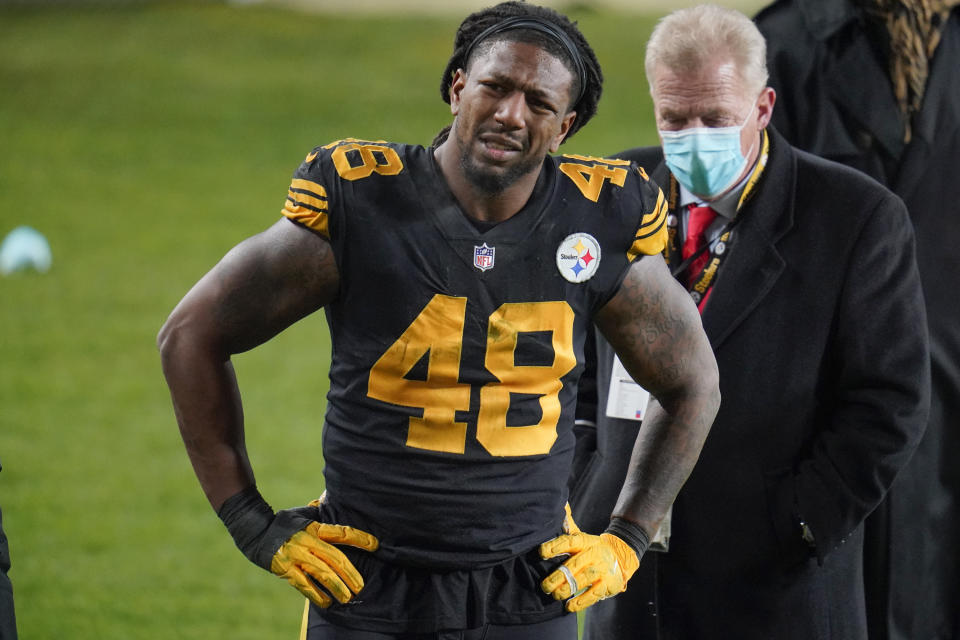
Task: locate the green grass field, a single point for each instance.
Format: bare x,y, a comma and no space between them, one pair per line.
144,142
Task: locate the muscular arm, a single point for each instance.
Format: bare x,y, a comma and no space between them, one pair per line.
655,329
262,286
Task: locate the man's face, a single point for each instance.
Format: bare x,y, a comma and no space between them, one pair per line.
511,110
712,97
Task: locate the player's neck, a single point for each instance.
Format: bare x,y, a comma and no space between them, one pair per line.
476,202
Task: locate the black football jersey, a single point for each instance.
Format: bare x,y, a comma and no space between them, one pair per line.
456,350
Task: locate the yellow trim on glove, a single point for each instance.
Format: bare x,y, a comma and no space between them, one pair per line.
309,558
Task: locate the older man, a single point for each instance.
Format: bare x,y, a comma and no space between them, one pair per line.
805,276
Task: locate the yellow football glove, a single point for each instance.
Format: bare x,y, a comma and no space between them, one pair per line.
293,545
599,566
309,556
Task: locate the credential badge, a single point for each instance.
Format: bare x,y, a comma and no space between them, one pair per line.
578,257
483,257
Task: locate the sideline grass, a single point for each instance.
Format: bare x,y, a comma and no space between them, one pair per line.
144,142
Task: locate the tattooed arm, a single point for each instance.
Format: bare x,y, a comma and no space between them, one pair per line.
262,286
655,329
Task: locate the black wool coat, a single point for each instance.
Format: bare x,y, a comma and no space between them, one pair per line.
817,323
835,99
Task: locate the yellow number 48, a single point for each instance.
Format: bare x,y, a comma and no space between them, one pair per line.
438,331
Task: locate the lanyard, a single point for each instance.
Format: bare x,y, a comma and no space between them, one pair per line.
698,289
721,247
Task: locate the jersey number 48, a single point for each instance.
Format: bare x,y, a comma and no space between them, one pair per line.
439,329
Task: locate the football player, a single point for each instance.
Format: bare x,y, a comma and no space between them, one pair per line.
458,282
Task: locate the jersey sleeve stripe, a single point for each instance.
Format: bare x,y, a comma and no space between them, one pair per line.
309,187
309,201
307,204
653,221
315,220
651,237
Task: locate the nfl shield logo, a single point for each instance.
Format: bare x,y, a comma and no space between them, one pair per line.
483,257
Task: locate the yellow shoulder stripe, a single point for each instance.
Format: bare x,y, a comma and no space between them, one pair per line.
308,186
307,204
651,237
317,221
302,198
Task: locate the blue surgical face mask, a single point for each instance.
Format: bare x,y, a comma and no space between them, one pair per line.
705,160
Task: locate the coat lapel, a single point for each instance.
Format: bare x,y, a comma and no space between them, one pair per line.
940,114
853,76
853,85
754,263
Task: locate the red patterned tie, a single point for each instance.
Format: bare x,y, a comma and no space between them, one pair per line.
697,223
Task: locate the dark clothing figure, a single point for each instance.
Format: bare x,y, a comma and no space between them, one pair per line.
8,621
834,67
817,323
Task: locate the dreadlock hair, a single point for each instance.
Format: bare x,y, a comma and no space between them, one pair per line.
475,24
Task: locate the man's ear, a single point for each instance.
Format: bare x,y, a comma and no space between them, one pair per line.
456,87
768,97
564,130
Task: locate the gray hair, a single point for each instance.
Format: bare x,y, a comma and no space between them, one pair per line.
687,40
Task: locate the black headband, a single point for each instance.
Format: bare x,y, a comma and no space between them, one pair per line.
548,28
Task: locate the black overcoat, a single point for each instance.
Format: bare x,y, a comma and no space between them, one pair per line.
835,100
817,323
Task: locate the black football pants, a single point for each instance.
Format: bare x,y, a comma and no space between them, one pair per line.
562,628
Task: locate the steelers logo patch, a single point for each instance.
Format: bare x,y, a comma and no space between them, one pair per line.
578,257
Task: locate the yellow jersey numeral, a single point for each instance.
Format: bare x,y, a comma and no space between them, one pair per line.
590,178
438,329
373,158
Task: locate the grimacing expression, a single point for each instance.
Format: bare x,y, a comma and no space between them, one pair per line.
511,109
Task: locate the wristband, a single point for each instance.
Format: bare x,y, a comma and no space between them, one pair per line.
256,530
631,533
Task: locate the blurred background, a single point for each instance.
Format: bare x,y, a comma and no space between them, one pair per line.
143,140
